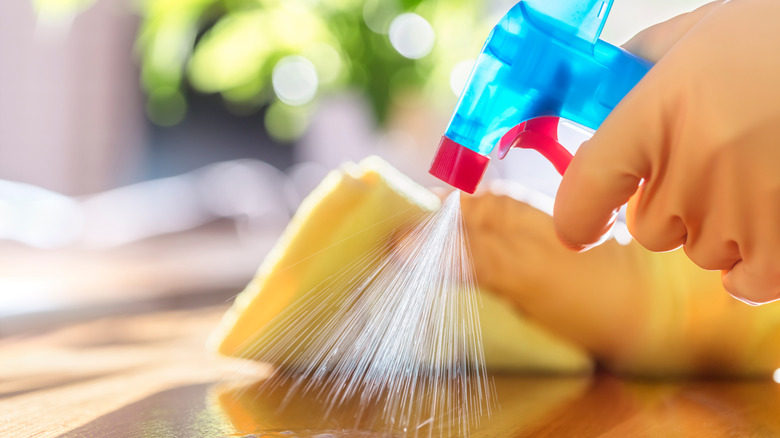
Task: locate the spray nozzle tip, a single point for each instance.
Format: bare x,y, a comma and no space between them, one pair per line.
458,165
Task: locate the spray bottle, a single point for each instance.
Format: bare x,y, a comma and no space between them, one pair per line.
543,61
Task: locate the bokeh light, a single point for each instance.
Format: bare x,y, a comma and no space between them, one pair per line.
460,75
295,80
412,36
354,46
286,122
327,60
378,14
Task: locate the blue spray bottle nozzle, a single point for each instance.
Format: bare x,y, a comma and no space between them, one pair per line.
544,59
575,21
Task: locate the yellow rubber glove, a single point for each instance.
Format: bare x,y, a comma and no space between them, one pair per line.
635,311
696,148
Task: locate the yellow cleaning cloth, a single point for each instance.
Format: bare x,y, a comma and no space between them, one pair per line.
353,211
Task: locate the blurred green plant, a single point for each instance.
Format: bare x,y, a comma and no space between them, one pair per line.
253,51
237,47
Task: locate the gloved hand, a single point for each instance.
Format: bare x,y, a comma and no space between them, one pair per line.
635,311
694,149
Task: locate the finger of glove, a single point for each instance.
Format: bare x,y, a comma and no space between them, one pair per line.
495,212
655,41
608,168
649,221
590,195
709,251
756,278
752,285
507,237
494,262
706,223
521,262
480,211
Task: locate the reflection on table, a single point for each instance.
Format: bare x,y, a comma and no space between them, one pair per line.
148,375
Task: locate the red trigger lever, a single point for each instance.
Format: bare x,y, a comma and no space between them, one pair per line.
540,134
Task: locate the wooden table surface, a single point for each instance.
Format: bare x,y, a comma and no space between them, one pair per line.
148,375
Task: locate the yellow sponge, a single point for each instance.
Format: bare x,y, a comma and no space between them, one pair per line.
354,210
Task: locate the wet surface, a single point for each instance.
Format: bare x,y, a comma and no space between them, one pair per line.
162,383
179,412
251,410
603,406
